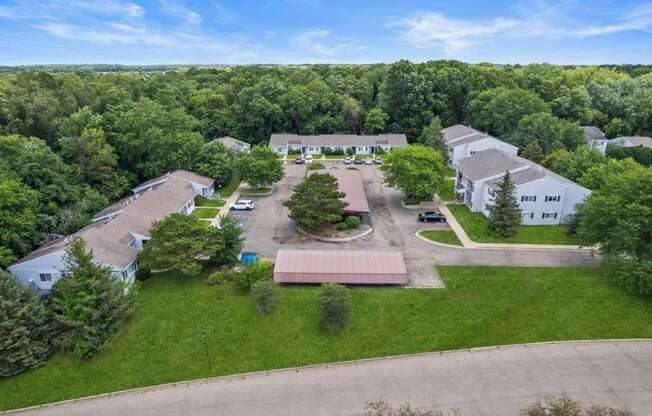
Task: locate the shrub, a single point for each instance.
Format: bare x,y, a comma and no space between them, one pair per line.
254,272
334,306
222,275
315,166
143,274
352,222
341,226
265,294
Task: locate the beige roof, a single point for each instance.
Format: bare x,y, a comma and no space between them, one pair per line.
110,240
340,266
488,163
193,177
458,131
632,141
349,182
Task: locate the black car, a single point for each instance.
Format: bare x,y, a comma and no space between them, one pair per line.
358,161
432,216
298,160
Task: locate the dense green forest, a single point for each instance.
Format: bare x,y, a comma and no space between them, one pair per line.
72,142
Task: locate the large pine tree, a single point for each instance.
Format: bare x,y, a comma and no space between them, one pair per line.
26,328
316,202
504,213
91,303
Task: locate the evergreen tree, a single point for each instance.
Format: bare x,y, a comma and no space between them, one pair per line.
432,136
91,303
504,213
231,236
533,151
316,202
26,328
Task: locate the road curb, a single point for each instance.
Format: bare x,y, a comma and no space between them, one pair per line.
332,239
242,376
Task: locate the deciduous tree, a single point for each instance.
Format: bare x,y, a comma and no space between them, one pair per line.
416,170
260,167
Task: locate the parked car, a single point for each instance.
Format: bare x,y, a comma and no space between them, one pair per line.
308,159
432,216
347,160
298,160
243,205
368,162
358,161
378,160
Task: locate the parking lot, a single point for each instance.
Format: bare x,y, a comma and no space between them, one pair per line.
268,227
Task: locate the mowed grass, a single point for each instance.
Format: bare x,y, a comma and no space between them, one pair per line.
205,212
215,203
229,188
481,306
475,225
441,236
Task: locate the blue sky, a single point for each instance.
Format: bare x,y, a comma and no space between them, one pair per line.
322,31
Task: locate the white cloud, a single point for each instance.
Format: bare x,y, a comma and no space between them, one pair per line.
33,9
178,9
111,6
431,29
321,42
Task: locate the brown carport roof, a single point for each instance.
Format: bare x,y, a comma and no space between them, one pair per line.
340,266
349,182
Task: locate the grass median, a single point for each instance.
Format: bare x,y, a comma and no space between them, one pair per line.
481,306
475,225
441,236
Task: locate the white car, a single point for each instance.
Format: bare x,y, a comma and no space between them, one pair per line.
243,204
368,161
348,160
307,159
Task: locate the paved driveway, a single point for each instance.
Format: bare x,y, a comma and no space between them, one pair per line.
481,382
268,229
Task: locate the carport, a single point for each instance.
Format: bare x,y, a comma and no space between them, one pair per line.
349,182
366,267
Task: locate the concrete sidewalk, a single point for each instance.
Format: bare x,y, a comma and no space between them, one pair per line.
468,243
227,204
478,382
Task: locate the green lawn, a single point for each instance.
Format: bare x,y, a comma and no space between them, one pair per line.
334,156
441,236
228,189
205,212
481,306
448,193
449,172
203,202
475,225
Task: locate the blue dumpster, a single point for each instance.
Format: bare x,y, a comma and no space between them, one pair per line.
248,258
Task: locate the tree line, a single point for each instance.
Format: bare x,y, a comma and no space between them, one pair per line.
73,142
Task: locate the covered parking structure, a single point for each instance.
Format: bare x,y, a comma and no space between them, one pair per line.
349,182
364,267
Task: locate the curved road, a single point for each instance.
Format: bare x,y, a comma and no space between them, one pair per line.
483,381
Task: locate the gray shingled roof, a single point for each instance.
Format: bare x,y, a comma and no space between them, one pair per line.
593,133
633,140
233,143
338,140
488,163
493,162
457,131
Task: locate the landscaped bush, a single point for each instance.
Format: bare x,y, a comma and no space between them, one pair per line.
293,152
265,294
315,166
334,306
352,222
143,274
259,270
341,226
328,152
222,275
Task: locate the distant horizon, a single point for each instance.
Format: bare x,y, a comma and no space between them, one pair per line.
306,32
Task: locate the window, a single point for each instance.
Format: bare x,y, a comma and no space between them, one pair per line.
547,215
491,192
45,277
472,152
529,198
529,215
553,198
